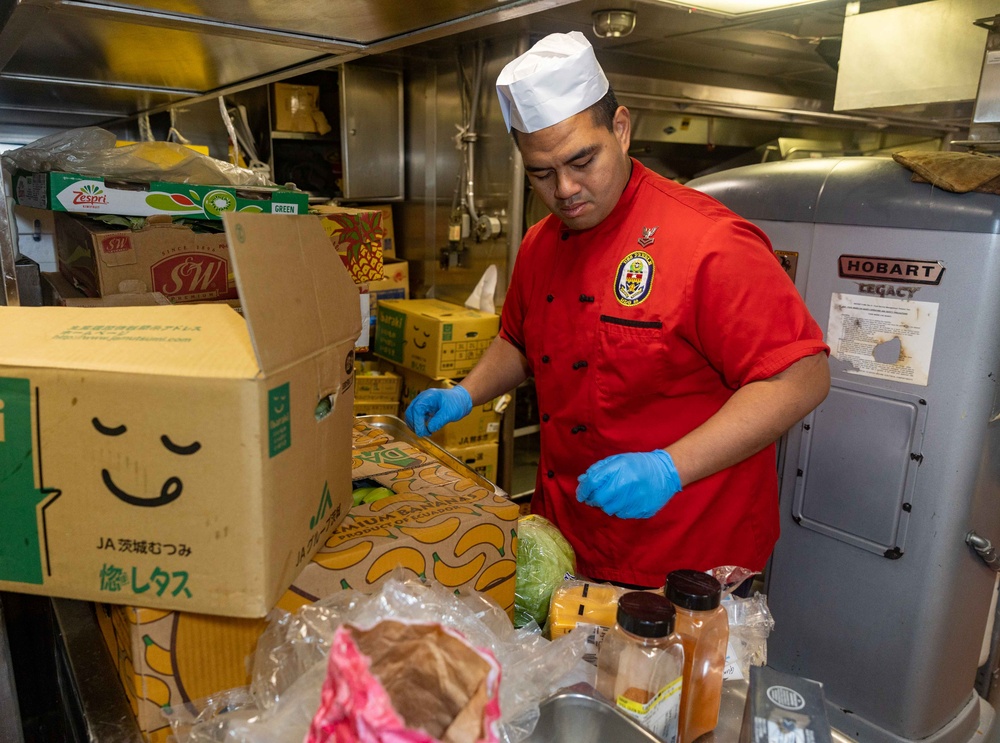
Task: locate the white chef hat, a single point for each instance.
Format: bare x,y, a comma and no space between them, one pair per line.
557,78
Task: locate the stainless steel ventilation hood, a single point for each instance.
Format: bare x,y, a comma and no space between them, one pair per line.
69,63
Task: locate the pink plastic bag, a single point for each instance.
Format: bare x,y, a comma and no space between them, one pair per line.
405,683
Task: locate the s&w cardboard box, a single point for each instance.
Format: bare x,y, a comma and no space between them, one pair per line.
172,259
438,339
182,457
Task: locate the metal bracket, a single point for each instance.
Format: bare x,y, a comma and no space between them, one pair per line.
8,245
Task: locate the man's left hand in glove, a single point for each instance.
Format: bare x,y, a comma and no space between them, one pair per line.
630,486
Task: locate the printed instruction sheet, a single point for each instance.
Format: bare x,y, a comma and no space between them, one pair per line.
883,337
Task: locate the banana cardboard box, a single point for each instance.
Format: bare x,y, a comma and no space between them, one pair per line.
182,456
480,426
441,524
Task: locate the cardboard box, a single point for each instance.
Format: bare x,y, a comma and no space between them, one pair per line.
69,192
58,291
782,707
480,458
437,339
388,230
395,285
376,381
169,658
374,407
172,259
182,457
356,234
296,109
480,426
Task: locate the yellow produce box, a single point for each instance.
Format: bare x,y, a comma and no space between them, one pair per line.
375,381
438,339
395,285
442,524
375,407
176,456
388,229
480,458
480,426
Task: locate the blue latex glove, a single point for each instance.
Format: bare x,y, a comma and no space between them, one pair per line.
433,408
630,486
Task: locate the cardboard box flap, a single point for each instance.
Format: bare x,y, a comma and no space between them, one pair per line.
173,340
297,296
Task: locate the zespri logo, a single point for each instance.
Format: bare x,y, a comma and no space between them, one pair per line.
89,195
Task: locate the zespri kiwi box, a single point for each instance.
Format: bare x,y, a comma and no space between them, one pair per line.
182,457
83,194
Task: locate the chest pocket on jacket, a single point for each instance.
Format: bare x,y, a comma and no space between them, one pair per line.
631,357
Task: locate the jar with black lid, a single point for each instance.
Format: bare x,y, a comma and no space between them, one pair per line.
640,664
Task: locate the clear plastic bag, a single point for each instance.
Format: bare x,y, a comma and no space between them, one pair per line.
544,560
750,623
289,666
92,151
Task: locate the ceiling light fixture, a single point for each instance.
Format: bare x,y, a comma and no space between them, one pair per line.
736,8
613,24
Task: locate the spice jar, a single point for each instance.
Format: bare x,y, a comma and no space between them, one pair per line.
703,626
641,662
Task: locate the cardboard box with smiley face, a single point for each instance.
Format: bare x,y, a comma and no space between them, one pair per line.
438,339
182,457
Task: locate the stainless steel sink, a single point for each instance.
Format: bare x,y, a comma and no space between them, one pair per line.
577,715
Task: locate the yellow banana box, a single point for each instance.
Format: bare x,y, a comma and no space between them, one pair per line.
441,523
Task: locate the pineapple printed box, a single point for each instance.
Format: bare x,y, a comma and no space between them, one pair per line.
357,235
442,524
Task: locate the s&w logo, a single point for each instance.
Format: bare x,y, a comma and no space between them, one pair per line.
184,275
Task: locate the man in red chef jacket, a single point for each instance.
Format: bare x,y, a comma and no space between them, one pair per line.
669,348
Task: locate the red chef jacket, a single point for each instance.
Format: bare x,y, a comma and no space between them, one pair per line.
637,331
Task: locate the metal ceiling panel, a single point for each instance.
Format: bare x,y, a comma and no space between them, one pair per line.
356,21
85,48
163,52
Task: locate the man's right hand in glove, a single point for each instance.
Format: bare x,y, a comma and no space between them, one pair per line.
433,408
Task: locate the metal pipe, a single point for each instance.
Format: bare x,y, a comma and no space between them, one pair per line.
984,548
471,136
8,244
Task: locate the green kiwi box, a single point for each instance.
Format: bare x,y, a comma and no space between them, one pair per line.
84,194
